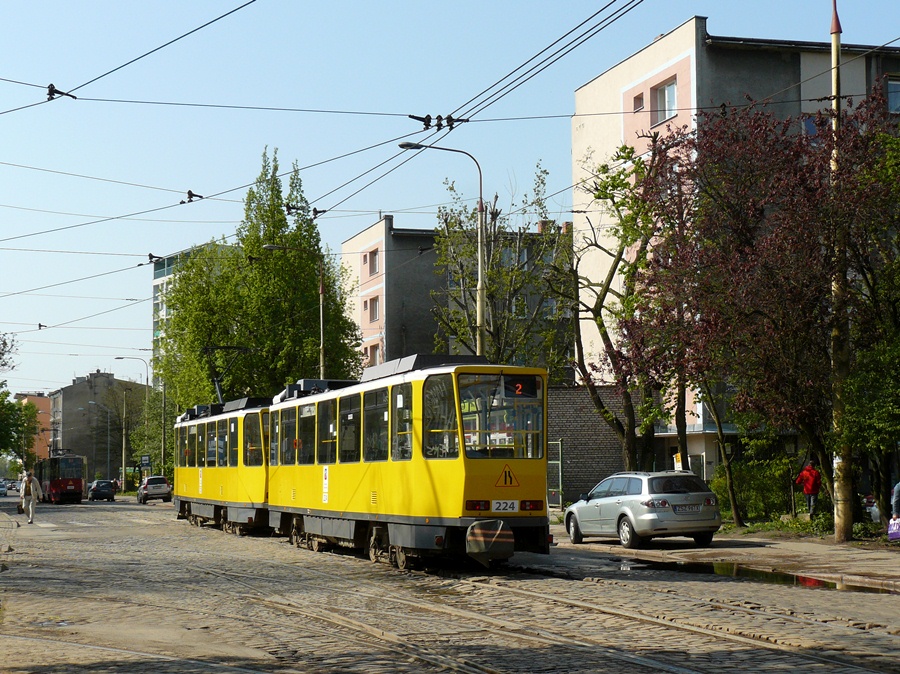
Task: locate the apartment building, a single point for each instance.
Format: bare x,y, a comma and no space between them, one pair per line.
685,70
392,274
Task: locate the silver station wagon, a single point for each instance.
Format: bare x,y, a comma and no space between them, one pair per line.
638,506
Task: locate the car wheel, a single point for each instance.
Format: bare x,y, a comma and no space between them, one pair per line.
703,540
627,537
574,531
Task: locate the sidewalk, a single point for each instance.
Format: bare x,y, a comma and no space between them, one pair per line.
812,558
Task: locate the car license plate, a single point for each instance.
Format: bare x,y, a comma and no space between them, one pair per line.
505,506
686,508
71,486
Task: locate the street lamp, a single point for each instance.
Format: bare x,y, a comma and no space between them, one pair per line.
479,292
104,407
272,246
146,368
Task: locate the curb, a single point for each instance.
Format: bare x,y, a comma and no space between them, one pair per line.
7,522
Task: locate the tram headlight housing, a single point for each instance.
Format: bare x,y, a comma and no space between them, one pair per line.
473,504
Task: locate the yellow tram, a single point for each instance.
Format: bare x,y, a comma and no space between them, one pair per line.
425,456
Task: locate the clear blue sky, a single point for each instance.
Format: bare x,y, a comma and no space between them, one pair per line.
82,164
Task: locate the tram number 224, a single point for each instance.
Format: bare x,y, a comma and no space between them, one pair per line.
505,506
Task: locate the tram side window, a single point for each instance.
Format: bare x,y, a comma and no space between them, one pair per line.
264,426
201,445
253,442
191,449
327,451
181,442
233,442
401,422
274,426
375,425
222,442
306,434
439,428
350,426
287,435
211,444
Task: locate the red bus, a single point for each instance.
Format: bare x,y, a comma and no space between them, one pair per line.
61,478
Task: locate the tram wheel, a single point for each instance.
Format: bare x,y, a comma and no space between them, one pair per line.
403,561
374,551
316,545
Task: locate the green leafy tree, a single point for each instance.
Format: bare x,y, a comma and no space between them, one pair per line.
19,428
525,323
247,317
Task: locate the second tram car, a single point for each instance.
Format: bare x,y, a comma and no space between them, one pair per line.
427,456
62,478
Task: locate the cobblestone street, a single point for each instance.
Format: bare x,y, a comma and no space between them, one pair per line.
122,587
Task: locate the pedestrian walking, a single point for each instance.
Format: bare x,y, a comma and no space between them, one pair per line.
811,481
31,493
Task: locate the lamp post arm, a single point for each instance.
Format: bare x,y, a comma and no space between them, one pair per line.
480,293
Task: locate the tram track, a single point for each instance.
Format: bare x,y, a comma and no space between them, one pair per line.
302,607
554,639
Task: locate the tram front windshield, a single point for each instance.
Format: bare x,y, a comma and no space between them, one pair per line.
502,415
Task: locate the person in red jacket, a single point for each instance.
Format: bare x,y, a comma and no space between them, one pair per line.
811,481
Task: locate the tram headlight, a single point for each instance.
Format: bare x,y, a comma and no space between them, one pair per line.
472,504
531,505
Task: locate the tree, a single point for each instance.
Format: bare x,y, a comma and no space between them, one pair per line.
742,286
525,323
7,351
622,245
246,318
154,437
18,427
872,414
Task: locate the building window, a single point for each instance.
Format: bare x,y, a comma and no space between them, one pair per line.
373,309
664,104
893,95
373,263
638,103
373,355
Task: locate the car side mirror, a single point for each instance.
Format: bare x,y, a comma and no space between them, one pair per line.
584,497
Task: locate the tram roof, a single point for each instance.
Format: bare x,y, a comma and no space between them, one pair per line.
419,361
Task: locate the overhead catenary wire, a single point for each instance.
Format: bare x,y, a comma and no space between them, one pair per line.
516,82
124,65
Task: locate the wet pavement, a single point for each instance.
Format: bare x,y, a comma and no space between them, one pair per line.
800,561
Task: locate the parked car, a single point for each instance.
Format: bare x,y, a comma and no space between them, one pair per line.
13,485
155,486
102,490
638,506
3,490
